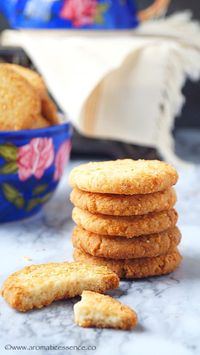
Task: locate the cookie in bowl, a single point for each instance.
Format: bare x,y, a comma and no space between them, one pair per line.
34,143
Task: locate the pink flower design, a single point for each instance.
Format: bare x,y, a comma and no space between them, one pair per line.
34,158
62,158
80,12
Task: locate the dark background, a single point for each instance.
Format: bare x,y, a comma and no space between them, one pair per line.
190,116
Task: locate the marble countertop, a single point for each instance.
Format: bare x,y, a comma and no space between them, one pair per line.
168,307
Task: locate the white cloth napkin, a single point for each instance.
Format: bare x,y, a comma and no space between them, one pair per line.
124,86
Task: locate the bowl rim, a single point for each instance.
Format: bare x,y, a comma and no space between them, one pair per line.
35,131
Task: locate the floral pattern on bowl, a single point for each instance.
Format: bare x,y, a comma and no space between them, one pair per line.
31,165
99,13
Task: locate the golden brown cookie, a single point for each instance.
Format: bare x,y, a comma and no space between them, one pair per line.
125,176
40,122
30,75
123,205
100,311
128,227
123,248
48,108
36,286
19,103
134,268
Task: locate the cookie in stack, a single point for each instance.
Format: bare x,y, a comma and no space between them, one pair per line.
125,216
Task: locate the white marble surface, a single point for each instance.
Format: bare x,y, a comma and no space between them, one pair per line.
168,307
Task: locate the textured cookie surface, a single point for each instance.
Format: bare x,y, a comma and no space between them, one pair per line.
30,75
123,248
134,268
96,310
125,176
123,205
36,286
48,108
19,103
129,227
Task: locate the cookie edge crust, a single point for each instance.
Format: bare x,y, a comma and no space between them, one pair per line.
95,244
123,205
135,268
128,227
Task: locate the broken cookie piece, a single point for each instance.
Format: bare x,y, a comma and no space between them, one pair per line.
36,286
100,311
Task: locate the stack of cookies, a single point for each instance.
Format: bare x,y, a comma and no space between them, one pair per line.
125,216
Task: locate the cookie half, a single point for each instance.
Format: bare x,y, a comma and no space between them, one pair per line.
101,311
134,268
125,176
128,227
123,248
123,205
36,286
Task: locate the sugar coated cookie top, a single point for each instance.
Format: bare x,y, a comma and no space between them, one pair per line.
125,176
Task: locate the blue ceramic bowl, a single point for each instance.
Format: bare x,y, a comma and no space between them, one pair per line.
31,165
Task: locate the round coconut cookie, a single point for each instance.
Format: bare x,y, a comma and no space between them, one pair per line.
19,103
123,205
135,268
126,176
123,248
129,227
